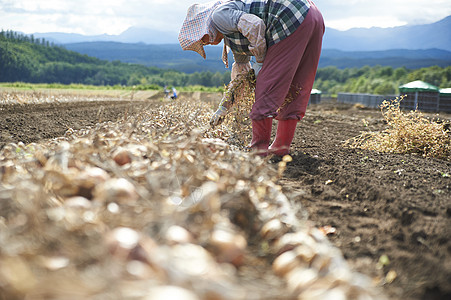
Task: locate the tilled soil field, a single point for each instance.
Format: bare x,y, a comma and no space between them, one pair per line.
379,203
389,214
31,123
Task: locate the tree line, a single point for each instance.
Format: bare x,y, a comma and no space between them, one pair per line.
26,59
15,36
378,80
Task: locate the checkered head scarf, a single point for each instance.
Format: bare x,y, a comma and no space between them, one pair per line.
197,24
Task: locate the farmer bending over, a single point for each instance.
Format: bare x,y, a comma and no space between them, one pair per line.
285,37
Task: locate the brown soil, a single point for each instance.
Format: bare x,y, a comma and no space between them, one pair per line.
30,123
380,204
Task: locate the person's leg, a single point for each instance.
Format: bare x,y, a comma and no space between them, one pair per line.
295,107
304,77
277,81
273,83
275,77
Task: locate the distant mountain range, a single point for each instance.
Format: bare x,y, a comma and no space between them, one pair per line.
173,57
168,56
436,35
396,58
405,46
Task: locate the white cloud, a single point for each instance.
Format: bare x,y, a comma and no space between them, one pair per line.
343,15
364,22
94,17
90,17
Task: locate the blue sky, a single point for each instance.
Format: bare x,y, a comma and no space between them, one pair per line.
92,17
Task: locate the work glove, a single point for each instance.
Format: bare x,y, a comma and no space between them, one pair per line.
218,116
257,67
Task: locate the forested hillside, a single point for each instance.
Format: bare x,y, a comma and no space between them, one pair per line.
26,59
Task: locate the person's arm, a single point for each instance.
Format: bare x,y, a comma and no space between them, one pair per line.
230,18
253,28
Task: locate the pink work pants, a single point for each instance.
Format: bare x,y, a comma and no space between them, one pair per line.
289,71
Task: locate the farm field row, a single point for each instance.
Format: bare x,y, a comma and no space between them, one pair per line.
389,214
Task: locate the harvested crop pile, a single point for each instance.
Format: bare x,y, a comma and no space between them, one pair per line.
241,92
157,207
407,133
40,96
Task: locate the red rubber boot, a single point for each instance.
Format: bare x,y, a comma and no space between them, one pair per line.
261,136
284,137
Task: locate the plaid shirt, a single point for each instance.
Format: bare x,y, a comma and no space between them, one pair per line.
281,17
